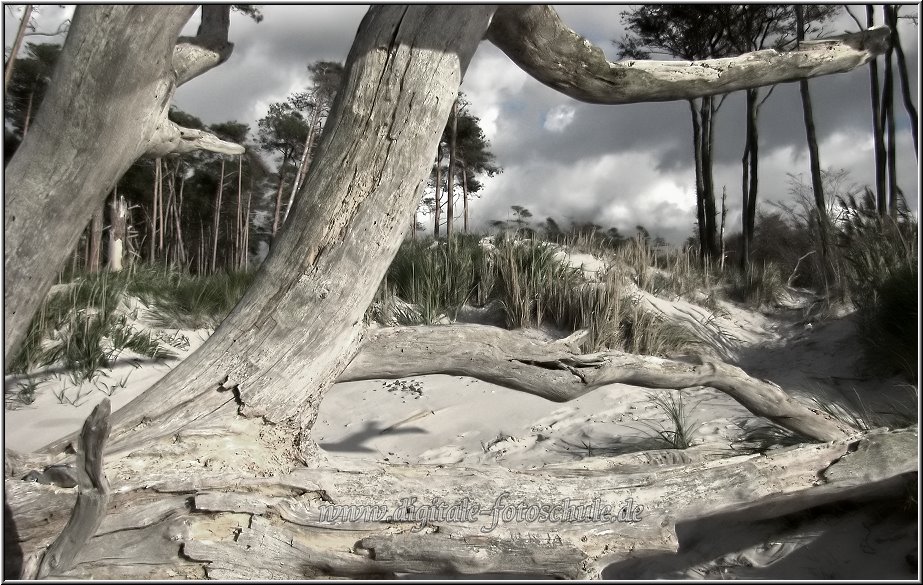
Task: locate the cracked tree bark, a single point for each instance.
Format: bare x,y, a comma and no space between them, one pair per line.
259,379
92,495
165,522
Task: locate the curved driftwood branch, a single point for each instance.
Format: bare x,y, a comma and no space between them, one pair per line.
92,495
559,372
537,40
171,138
164,522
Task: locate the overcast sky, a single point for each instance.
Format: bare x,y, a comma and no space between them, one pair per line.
613,165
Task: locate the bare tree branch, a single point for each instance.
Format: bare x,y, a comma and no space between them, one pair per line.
170,138
854,17
536,39
193,56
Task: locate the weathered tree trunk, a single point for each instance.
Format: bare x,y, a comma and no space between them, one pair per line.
298,326
17,44
49,195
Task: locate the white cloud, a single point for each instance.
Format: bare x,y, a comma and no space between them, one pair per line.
559,117
491,81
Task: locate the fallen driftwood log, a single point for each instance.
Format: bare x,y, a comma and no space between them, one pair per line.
379,519
556,370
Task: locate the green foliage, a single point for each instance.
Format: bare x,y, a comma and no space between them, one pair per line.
85,326
82,329
530,282
191,301
437,276
27,87
533,286
647,332
761,285
680,428
283,129
882,272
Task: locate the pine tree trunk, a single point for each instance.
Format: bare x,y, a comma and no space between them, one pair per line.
887,122
96,236
465,193
278,212
744,250
245,252
28,118
902,71
438,213
238,227
169,230
708,182
817,181
877,128
450,176
181,245
160,221
699,183
152,229
305,160
724,210
217,223
753,139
